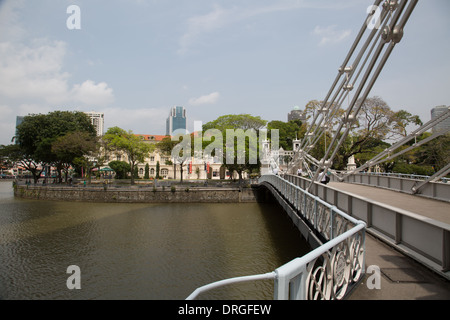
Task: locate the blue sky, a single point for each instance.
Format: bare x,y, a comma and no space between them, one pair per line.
135,59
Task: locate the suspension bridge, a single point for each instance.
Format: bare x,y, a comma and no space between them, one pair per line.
359,219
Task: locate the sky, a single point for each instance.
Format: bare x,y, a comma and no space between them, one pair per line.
135,59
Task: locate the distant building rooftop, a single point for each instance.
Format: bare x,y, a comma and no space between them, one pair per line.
151,137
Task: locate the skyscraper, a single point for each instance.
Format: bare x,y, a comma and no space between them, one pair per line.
176,122
98,121
435,113
19,120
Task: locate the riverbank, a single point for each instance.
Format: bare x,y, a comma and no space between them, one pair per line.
138,194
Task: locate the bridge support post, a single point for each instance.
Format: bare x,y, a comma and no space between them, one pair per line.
446,251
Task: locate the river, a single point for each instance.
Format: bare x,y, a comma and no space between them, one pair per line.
139,251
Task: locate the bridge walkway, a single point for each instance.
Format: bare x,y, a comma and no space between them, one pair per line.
433,209
402,278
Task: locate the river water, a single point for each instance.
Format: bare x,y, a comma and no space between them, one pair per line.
140,251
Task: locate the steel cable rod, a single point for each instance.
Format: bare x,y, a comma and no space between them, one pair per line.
344,64
391,37
318,130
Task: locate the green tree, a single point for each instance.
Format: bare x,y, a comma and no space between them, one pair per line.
75,148
179,148
147,171
157,170
240,145
288,132
37,133
133,146
375,125
121,168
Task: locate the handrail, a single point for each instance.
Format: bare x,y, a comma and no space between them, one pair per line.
421,238
321,273
214,285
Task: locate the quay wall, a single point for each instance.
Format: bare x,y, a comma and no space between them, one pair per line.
141,195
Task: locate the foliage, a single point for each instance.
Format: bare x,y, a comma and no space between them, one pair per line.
74,148
288,132
37,134
242,121
121,168
243,155
147,171
136,149
157,170
180,151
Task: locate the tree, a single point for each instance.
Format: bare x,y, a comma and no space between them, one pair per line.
288,132
121,168
241,121
180,151
435,154
136,150
75,148
240,147
376,123
157,170
147,171
37,133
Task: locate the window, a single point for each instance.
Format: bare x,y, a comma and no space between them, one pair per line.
152,171
141,171
152,159
164,172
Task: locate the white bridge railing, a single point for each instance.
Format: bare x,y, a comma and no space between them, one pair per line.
327,272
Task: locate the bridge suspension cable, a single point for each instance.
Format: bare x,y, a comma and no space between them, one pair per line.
370,56
387,155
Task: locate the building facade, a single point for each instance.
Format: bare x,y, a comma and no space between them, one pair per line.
19,120
296,114
176,122
98,121
437,112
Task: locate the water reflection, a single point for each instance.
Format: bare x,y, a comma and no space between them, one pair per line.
139,251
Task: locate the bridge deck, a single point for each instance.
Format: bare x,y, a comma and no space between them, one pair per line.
402,278
433,209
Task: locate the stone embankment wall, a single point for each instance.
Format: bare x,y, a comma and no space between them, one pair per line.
141,195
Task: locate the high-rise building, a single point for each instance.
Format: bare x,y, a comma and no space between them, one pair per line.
19,120
435,113
98,121
176,122
296,114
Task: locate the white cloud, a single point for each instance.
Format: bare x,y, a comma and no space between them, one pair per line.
198,25
206,99
90,93
9,18
330,35
32,80
35,73
221,17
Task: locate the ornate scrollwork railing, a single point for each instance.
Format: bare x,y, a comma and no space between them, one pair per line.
330,272
326,273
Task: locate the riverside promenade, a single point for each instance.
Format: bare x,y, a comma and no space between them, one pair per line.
402,278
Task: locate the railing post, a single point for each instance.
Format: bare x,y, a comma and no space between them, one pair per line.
398,228
331,223
446,251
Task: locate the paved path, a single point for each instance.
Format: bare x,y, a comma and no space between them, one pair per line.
402,278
